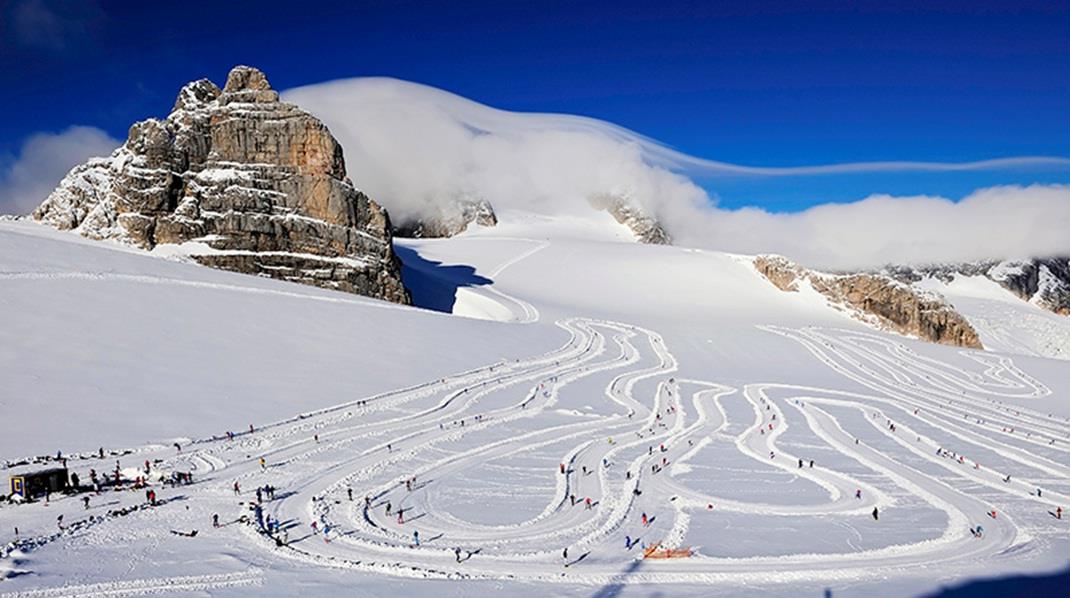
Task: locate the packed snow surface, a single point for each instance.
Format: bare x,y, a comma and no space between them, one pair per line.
584,393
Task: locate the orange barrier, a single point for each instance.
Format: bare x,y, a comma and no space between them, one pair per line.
655,551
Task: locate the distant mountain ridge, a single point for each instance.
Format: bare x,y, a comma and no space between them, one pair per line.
1044,282
877,299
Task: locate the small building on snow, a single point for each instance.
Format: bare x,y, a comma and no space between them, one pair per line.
31,484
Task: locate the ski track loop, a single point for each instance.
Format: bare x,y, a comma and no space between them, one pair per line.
919,416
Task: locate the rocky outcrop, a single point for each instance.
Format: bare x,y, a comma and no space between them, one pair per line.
1044,282
645,227
247,182
886,302
452,218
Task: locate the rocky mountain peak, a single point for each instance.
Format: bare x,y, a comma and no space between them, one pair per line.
244,182
248,84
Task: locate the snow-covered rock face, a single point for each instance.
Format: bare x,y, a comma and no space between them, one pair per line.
449,219
645,227
880,299
259,184
1044,282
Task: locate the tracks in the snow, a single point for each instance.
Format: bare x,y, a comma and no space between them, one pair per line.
936,438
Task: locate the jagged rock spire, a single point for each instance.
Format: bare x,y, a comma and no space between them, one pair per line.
260,182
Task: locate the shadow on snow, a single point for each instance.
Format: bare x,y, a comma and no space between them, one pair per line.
433,285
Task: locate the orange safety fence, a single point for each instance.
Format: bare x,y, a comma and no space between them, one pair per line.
655,551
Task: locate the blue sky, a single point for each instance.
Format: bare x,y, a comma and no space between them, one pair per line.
785,84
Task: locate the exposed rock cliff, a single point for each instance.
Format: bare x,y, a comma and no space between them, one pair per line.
645,227
258,183
893,304
449,219
1044,282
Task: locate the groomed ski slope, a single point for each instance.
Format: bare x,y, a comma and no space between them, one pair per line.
676,373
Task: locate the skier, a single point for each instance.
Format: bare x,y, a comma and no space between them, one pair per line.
416,537
645,520
875,518
800,463
811,463
388,508
237,489
1059,513
457,553
565,553
349,491
85,499
215,519
858,493
628,542
263,464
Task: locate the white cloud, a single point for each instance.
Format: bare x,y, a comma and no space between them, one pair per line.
993,223
43,160
409,146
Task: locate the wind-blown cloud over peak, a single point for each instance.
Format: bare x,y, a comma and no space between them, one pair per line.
43,160
411,146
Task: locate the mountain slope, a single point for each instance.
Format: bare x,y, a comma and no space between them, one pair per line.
681,373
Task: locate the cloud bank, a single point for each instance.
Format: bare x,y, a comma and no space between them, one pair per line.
410,146
43,160
996,223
